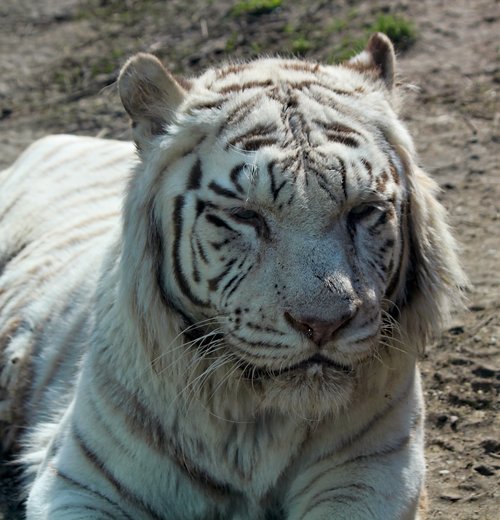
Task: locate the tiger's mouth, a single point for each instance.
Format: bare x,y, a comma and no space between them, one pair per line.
313,364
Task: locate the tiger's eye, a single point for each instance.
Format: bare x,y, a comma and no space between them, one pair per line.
361,212
246,214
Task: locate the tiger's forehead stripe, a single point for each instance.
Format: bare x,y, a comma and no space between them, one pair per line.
299,110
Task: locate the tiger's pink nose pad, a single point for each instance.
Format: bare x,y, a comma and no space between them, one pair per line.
318,331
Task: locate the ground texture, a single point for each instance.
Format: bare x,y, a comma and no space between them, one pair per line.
58,64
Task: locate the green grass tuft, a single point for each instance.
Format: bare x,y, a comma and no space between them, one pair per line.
301,45
255,7
401,31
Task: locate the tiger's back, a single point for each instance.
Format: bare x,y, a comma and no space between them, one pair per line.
59,205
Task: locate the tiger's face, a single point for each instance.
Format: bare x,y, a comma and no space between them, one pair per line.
277,212
293,246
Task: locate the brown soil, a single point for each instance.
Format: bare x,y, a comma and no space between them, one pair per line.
58,63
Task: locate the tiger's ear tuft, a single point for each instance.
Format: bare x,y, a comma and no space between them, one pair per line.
377,59
150,95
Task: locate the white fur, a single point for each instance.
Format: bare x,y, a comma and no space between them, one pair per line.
177,433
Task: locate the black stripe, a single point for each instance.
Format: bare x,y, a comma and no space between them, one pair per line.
343,180
255,143
233,279
401,444
178,273
260,225
381,263
259,131
195,175
337,128
196,271
218,222
156,248
207,105
367,166
405,244
242,277
336,499
201,251
257,344
200,207
270,172
382,219
370,425
337,91
275,190
123,490
110,431
240,113
217,245
375,267
213,283
234,68
82,509
11,256
261,328
11,206
234,176
344,139
224,192
316,83
238,268
357,487
368,336
388,244
237,87
323,185
90,491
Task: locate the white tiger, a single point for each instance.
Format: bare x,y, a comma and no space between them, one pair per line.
242,342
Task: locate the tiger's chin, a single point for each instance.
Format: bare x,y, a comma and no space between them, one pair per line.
310,392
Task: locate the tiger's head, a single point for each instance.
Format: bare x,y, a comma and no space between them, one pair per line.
278,219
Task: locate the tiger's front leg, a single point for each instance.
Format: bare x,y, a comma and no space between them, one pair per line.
56,496
377,486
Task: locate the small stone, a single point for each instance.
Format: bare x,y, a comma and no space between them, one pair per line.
487,471
491,446
450,497
484,371
456,330
444,472
481,386
441,420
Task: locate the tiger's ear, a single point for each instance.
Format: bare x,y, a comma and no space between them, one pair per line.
378,59
434,277
150,95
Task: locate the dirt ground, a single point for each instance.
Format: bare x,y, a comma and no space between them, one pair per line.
58,63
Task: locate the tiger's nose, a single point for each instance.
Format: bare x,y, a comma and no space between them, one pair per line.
318,331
